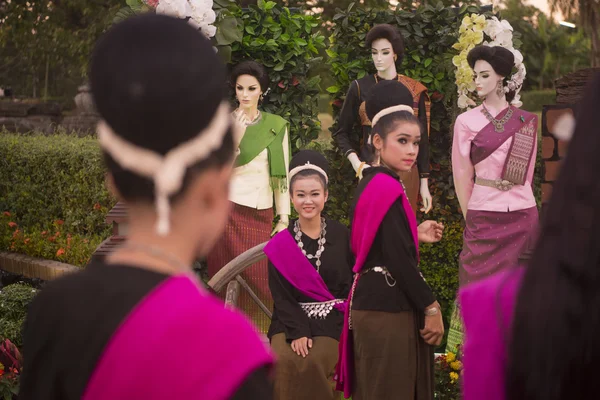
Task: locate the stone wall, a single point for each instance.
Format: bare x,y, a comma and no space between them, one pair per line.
569,91
26,115
553,149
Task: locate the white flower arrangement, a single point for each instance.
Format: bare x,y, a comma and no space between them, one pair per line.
200,13
471,34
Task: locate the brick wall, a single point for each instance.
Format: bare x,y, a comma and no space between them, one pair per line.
553,150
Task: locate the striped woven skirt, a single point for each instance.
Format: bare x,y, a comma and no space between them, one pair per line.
247,227
493,241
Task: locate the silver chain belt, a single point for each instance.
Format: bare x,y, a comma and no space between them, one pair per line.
500,184
320,309
384,271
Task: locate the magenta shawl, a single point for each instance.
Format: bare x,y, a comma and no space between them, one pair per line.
178,343
487,307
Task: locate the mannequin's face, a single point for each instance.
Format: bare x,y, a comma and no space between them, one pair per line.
247,91
383,54
486,79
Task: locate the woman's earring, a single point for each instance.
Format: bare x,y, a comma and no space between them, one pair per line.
500,88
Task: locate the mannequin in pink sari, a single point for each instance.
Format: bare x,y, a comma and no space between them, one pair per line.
493,160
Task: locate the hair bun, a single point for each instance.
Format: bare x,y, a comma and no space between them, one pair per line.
387,94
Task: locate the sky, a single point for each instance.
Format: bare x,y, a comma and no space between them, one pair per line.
541,4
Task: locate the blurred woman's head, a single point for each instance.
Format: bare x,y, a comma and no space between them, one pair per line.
166,131
554,346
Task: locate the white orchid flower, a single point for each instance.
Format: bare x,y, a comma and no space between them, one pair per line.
174,8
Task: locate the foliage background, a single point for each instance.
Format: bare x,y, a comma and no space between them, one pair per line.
288,45
429,33
49,178
53,197
14,300
45,44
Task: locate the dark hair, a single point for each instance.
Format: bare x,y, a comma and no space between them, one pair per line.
306,174
157,83
386,31
554,346
305,157
251,68
502,61
385,94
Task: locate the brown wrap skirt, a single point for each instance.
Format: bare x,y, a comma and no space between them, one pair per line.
309,378
391,360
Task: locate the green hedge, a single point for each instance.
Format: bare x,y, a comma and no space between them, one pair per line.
288,45
14,300
49,178
534,100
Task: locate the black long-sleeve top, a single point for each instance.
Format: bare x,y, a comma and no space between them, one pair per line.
347,137
336,270
393,248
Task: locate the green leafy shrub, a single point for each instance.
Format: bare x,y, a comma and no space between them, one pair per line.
49,178
429,34
439,263
534,100
14,300
288,45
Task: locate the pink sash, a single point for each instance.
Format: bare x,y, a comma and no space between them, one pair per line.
289,260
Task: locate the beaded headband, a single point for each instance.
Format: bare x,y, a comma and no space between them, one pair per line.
388,111
307,166
168,171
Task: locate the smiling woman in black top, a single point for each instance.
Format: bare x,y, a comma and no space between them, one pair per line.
310,272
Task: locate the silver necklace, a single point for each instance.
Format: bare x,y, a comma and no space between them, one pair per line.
403,187
321,241
156,252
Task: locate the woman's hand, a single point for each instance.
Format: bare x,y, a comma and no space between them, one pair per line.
433,332
430,231
301,346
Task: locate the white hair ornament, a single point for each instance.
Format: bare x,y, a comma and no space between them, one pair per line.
167,172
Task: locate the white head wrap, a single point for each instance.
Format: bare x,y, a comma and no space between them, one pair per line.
388,111
166,171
